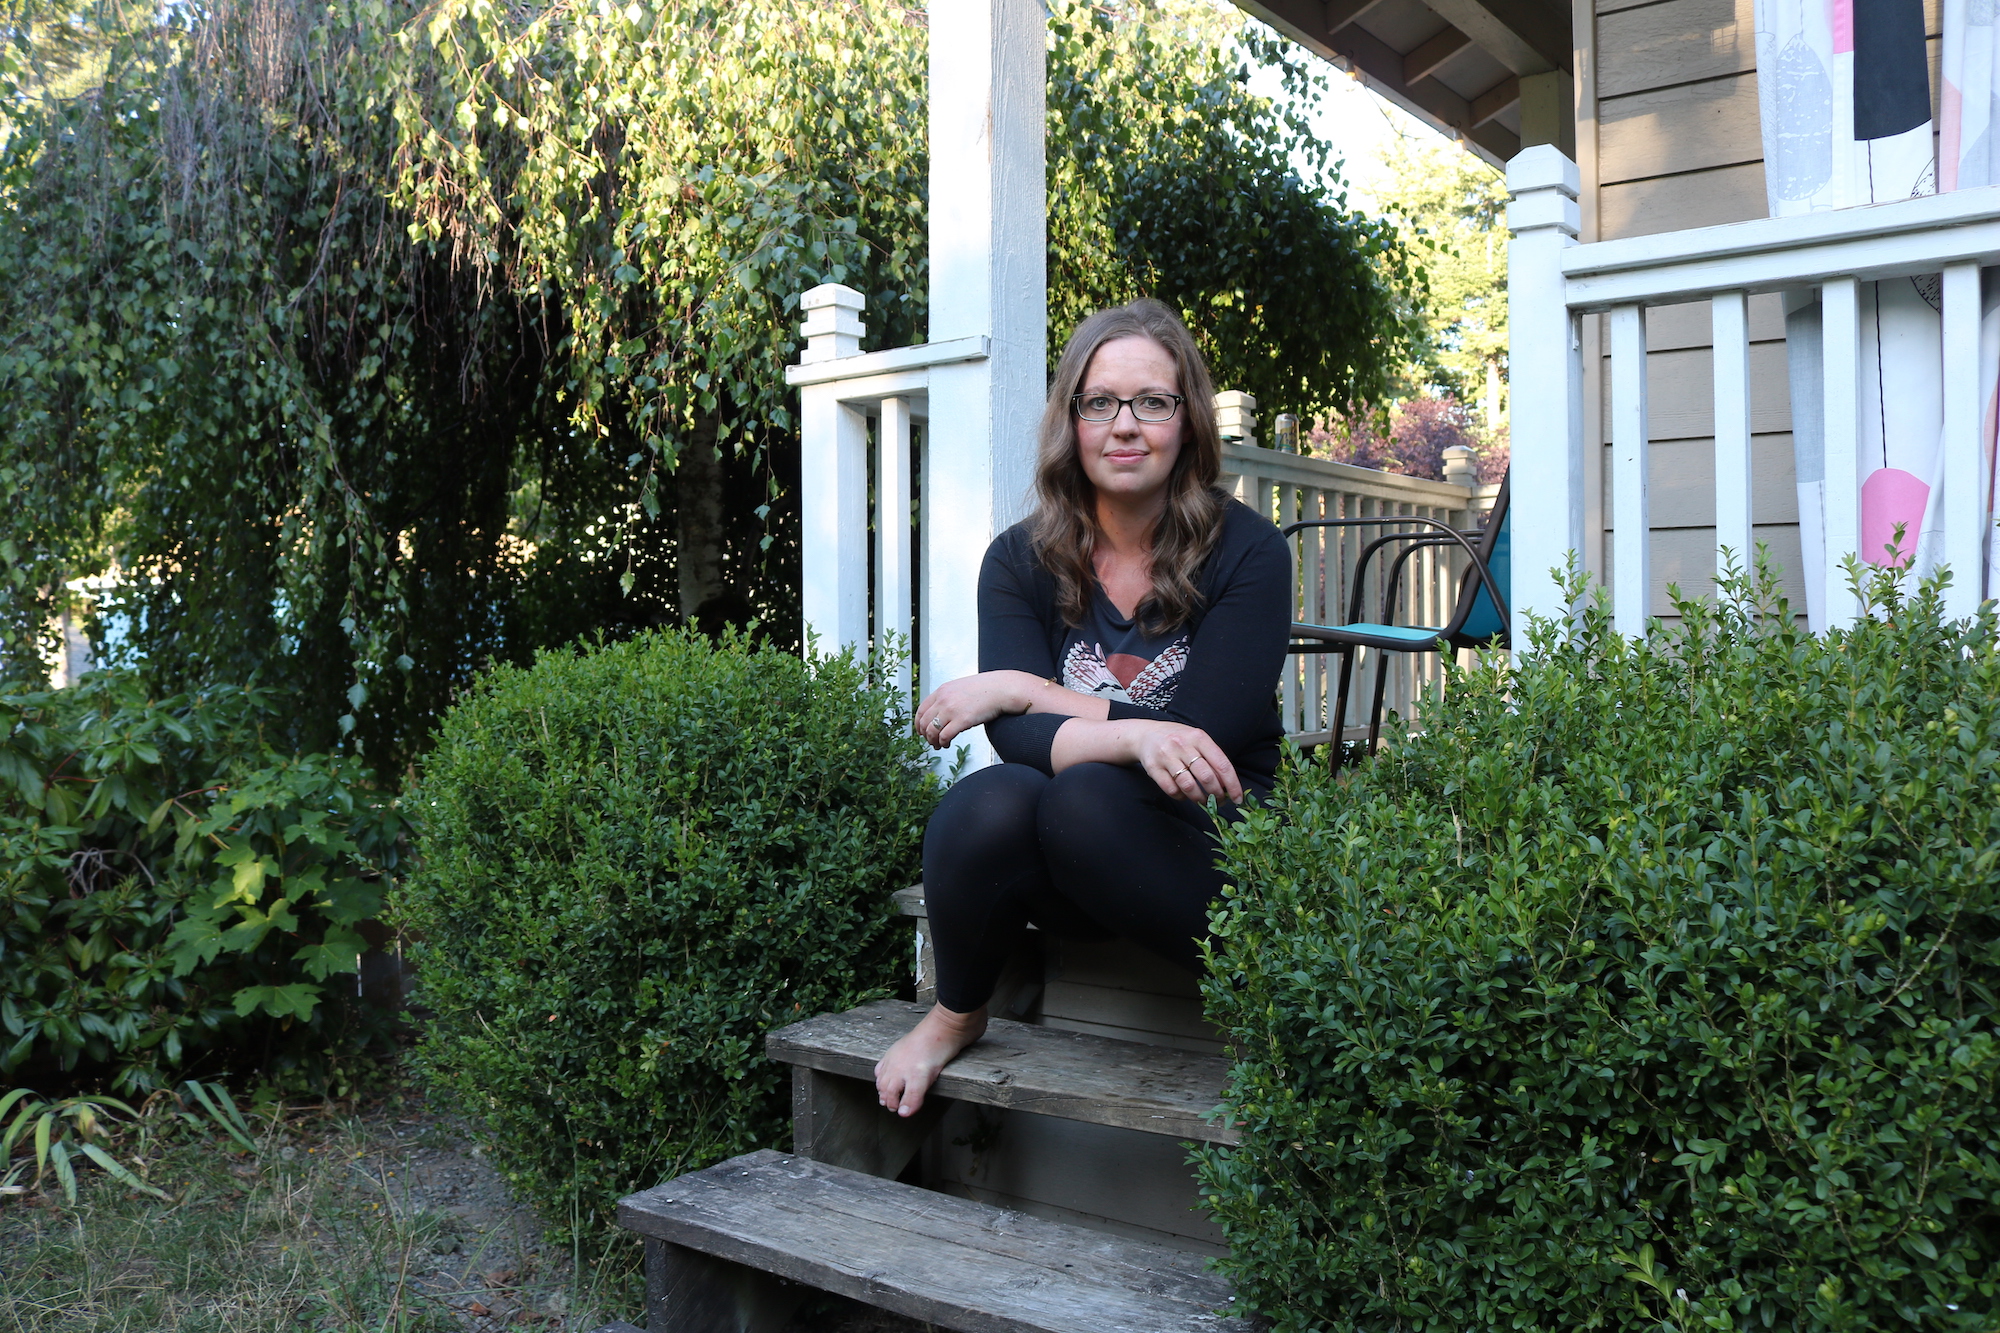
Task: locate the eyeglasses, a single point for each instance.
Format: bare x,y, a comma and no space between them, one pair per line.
1151,408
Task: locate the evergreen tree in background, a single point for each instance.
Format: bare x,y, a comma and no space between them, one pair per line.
1449,207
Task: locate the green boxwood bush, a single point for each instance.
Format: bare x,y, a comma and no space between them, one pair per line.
1653,986
636,861
176,888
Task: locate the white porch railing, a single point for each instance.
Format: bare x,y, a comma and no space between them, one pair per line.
883,556
863,537
1553,280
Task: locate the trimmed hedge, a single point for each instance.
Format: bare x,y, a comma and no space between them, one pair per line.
1653,986
636,861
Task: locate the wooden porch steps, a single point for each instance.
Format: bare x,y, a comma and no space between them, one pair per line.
948,1261
1024,1067
1043,1186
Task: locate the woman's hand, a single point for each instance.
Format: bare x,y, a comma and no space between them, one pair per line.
958,706
1185,762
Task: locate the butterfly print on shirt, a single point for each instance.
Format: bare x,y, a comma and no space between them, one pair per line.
1125,677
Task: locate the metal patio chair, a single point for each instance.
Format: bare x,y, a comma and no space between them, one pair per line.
1478,620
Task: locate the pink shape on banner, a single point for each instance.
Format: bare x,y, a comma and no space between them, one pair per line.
1951,120
1841,12
1891,496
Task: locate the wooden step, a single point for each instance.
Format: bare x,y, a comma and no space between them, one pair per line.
958,1264
1023,1067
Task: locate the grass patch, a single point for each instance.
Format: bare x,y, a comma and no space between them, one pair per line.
380,1221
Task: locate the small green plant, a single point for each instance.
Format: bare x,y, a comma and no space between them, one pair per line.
636,861
1655,985
60,1131
173,882
57,1133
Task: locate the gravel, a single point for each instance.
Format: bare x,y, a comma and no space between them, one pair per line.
489,1262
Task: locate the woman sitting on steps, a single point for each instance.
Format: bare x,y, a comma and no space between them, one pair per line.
1130,637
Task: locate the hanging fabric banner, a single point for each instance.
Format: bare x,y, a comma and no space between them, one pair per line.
1844,94
1969,156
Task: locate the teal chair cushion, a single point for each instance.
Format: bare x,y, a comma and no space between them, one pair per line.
1416,635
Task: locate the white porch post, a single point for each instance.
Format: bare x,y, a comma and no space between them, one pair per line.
988,276
1545,367
833,478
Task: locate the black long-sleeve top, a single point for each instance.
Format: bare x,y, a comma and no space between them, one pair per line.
1224,663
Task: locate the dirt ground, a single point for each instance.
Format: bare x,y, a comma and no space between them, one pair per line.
489,1263
383,1217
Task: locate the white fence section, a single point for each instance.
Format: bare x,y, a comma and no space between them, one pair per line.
1553,280
862,501
882,554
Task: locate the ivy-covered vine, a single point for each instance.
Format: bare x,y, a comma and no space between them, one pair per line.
369,342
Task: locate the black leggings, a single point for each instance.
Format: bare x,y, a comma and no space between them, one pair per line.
1097,851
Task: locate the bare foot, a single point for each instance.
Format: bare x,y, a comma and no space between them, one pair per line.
906,1073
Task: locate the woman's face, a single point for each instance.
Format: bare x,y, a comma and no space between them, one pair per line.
1124,457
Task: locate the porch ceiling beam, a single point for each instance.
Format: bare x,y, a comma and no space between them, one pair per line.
1495,100
1381,67
1382,63
1525,36
1427,59
1337,14
1498,142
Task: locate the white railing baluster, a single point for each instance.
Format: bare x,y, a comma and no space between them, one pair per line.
1288,512
1840,318
1631,524
1314,552
892,527
1730,324
1964,507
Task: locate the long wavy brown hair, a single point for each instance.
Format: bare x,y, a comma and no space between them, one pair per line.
1065,530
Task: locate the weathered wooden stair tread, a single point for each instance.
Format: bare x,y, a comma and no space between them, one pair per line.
950,1261
1023,1067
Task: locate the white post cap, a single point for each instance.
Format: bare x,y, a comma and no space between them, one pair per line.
833,326
1542,185
1236,416
1461,467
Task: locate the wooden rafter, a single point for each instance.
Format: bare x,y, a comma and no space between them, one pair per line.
1496,99
1426,60
1525,37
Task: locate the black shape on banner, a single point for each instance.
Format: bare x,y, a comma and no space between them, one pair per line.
1892,80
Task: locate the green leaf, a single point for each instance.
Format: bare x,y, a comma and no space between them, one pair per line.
295,1000
221,1108
340,951
247,883
117,1171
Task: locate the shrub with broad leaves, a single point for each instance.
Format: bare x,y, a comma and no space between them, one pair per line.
174,885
